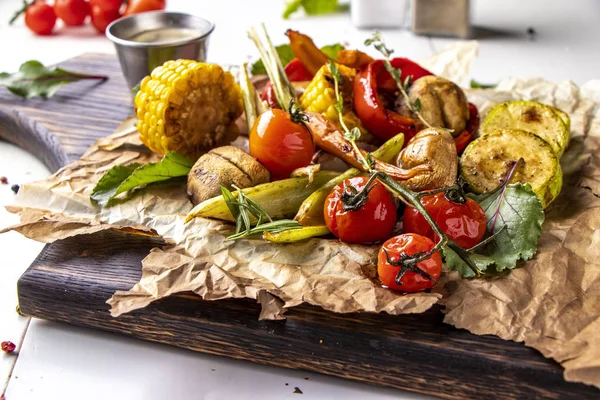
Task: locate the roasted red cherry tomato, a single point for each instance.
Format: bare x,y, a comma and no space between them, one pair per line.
40,18
107,5
72,12
372,222
464,223
102,18
420,277
281,144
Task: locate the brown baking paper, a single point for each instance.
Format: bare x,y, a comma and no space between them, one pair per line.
552,303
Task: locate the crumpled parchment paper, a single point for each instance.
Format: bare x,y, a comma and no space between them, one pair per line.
552,303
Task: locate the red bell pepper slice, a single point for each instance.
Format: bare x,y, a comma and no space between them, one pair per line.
468,134
297,72
407,68
381,122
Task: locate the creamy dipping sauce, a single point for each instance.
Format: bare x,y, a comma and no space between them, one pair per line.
165,35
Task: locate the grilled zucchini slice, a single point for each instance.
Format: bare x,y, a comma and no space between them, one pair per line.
530,116
486,161
564,117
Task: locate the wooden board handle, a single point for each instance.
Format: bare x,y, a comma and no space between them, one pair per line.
31,136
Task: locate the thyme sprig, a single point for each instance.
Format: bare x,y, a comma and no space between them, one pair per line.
415,107
351,135
243,208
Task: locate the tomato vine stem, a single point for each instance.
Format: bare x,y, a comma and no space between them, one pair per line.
414,199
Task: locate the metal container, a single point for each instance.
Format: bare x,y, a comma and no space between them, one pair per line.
138,58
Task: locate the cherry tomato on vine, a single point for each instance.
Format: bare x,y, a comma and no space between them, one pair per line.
464,223
72,12
280,143
138,6
414,279
40,18
107,5
373,221
102,18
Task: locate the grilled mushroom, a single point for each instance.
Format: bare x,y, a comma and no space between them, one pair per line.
434,148
225,166
443,103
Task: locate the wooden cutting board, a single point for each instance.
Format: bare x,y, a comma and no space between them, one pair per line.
71,280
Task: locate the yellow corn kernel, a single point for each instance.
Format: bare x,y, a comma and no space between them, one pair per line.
189,107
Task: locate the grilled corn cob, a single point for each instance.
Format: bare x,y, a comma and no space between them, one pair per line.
189,107
319,97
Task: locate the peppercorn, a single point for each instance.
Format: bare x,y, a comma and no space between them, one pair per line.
8,347
3,180
15,188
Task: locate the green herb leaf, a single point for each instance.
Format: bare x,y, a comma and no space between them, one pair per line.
352,135
110,181
271,227
286,55
407,82
311,7
332,50
135,90
33,79
478,85
417,105
240,209
230,201
370,161
120,179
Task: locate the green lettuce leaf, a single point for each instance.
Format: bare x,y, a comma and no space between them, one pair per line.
311,7
286,55
332,50
515,216
33,79
120,179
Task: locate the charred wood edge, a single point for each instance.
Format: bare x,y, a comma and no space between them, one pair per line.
71,281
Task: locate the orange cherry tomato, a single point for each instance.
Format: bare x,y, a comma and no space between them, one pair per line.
40,18
464,223
281,144
72,12
102,18
372,222
420,277
138,6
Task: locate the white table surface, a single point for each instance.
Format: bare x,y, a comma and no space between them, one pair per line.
60,361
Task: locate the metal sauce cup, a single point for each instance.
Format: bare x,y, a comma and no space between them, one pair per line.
140,49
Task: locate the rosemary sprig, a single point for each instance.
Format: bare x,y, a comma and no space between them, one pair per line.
377,41
243,208
353,134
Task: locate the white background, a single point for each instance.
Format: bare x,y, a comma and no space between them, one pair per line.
57,361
